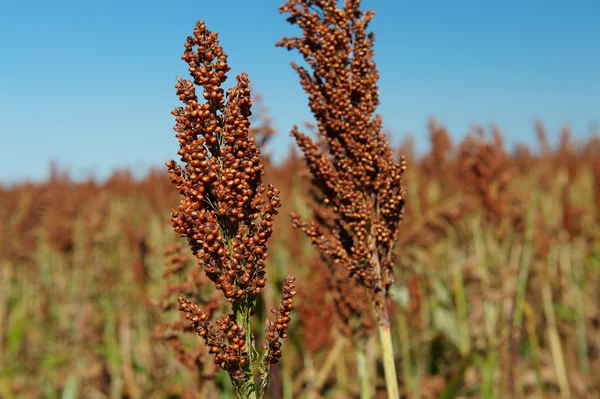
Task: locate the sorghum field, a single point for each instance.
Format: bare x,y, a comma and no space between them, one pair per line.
351,269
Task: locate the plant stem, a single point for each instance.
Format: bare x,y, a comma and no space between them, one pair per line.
577,273
341,373
535,346
387,352
363,371
288,383
554,338
323,374
407,371
519,298
310,378
246,388
461,308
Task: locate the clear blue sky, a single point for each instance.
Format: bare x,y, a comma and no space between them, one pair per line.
90,83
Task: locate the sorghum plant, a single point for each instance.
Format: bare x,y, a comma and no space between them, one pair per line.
356,173
350,300
437,163
596,174
185,278
488,170
225,211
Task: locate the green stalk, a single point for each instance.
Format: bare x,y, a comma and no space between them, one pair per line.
461,308
5,280
288,383
310,377
325,370
341,373
535,346
387,352
407,371
363,371
372,357
524,267
519,298
582,344
246,388
553,336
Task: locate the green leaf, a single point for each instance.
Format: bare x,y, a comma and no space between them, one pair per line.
444,321
71,388
441,292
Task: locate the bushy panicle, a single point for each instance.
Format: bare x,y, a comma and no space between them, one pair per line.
227,341
223,212
488,170
356,172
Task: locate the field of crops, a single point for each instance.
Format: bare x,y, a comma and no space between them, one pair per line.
498,277
492,289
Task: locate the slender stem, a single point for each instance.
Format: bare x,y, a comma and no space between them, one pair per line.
461,308
323,374
372,358
576,266
311,377
341,373
535,346
383,326
387,352
5,279
363,371
246,388
408,374
519,298
554,341
288,383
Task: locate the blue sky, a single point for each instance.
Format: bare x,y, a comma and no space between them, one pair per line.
90,83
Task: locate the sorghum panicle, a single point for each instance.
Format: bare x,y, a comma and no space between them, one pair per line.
227,341
278,328
358,176
355,172
487,169
225,211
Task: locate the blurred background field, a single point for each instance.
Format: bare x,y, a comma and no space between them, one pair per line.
498,290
